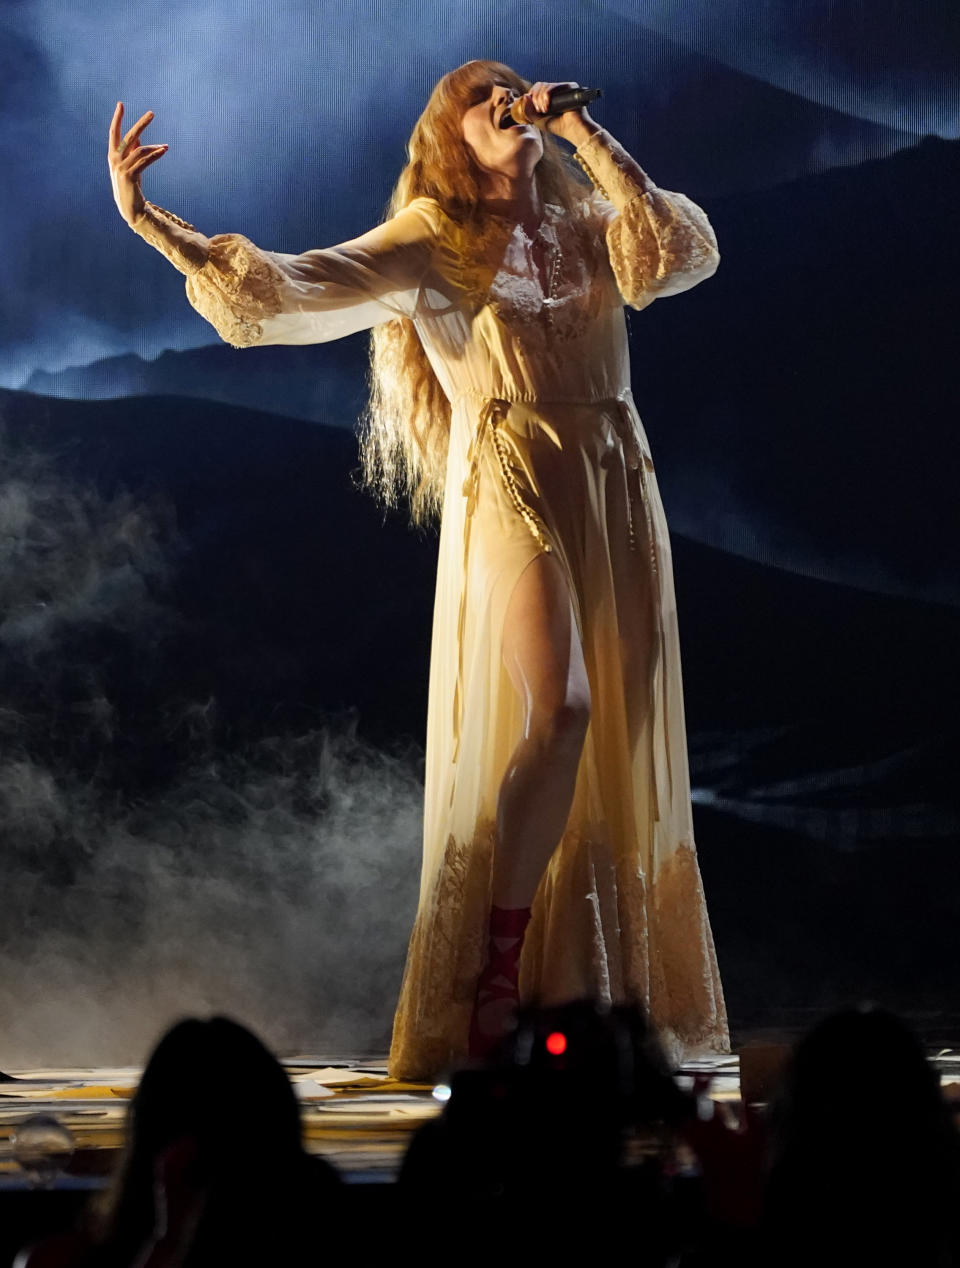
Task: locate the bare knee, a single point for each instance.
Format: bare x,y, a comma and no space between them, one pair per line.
564,724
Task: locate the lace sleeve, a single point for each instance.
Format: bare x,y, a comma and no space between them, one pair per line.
177,240
659,243
252,296
237,289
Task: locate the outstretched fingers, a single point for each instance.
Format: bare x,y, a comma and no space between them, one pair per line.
143,157
120,143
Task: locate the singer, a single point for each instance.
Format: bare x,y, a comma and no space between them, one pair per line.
558,849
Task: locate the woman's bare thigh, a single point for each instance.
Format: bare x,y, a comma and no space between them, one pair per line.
541,646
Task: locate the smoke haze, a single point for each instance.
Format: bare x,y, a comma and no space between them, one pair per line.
275,880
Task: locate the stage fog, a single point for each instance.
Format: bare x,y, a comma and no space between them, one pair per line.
214,646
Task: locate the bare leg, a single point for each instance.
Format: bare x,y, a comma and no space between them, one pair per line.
543,656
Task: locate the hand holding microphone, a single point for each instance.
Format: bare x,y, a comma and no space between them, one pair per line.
553,107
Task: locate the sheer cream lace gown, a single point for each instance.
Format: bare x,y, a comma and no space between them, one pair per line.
547,453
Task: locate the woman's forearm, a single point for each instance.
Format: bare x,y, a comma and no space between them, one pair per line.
578,130
614,172
658,242
183,245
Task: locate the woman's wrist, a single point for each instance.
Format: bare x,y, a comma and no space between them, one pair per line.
179,241
580,130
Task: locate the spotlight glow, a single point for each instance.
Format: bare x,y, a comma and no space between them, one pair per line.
441,1092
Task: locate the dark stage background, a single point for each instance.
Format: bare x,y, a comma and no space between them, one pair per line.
214,648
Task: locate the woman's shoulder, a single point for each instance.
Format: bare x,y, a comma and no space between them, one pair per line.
445,221
420,221
426,207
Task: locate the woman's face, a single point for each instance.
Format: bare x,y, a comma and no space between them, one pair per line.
513,151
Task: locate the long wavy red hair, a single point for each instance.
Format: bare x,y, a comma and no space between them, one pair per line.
405,427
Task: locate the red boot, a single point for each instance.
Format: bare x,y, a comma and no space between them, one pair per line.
500,974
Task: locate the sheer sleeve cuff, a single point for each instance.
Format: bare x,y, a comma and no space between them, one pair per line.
616,175
658,242
238,286
178,240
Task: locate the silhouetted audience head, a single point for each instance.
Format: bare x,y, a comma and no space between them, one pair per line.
602,1066
536,1138
864,1161
215,1113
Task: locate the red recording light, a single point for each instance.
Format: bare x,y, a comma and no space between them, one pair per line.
556,1043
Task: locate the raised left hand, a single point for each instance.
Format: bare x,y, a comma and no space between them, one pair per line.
538,103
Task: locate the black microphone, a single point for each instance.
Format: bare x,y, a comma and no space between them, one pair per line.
560,101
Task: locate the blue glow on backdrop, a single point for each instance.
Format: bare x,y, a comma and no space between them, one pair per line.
286,123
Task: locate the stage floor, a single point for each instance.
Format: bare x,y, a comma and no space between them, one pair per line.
353,1113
